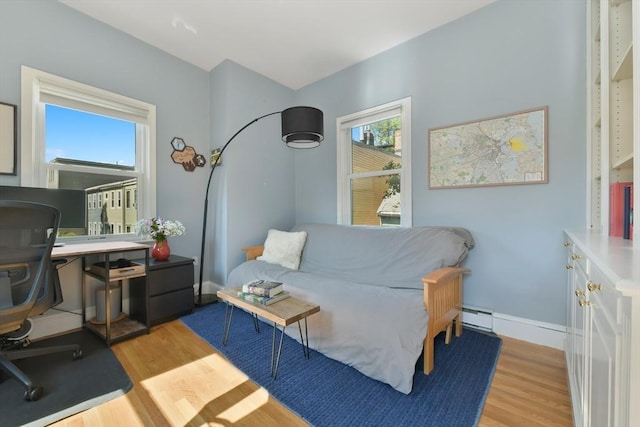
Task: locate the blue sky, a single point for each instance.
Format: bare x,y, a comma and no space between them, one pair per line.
74,135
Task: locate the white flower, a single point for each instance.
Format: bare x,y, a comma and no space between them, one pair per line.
159,229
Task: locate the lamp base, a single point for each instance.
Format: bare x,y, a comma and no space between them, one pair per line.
204,299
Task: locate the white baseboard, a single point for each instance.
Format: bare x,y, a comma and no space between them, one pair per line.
542,333
207,288
533,331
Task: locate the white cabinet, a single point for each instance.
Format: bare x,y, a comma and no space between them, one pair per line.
603,329
604,336
614,107
576,321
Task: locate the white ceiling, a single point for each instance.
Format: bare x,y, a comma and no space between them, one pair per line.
293,42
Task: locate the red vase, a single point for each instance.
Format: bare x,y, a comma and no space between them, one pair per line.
161,250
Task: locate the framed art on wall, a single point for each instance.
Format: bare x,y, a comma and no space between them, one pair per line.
503,150
8,139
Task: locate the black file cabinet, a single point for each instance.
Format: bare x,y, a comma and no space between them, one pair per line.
170,285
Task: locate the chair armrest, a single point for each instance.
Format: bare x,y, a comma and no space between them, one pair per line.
253,252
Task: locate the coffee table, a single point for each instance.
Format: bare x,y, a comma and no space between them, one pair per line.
282,313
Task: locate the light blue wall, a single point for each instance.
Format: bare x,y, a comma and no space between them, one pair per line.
51,37
507,57
253,190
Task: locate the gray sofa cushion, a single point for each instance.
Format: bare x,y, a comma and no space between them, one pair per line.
393,257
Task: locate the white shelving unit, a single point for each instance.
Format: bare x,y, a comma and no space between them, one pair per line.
614,106
603,281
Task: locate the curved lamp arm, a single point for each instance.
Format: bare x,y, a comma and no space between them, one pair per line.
302,124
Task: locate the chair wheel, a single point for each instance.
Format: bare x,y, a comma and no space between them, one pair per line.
33,394
77,354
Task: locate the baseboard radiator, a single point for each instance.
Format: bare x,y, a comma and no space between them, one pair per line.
477,318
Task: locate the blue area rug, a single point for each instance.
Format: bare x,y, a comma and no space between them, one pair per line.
325,392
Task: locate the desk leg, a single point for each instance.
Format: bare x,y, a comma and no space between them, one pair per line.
84,292
228,314
107,301
274,366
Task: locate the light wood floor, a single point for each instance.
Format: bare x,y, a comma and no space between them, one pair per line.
179,380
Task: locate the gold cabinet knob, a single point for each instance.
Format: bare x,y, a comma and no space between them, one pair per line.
592,286
575,257
568,266
579,293
567,244
584,303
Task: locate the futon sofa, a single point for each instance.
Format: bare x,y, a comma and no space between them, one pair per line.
384,292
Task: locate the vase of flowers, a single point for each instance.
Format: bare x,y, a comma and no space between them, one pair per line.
159,229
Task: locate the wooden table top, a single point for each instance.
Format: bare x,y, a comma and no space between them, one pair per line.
88,248
283,313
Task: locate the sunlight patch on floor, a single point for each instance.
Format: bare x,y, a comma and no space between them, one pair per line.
182,393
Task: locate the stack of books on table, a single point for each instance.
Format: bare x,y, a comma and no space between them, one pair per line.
263,292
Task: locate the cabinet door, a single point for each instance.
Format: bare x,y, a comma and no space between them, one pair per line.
571,311
602,367
577,316
581,339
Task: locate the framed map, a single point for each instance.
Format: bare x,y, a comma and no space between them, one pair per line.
503,150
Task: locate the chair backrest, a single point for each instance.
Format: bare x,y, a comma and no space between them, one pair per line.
27,234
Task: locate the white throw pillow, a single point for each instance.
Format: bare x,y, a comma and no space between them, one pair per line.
284,248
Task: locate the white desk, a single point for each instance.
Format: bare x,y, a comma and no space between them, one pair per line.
124,328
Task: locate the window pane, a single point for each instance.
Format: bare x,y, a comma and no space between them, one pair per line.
87,137
376,200
376,146
101,218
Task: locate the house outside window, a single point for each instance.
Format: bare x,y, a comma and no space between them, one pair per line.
373,161
116,148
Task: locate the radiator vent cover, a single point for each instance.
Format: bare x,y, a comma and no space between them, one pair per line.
477,318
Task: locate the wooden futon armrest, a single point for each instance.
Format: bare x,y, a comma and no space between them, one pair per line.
253,252
443,300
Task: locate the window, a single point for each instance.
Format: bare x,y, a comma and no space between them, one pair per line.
86,139
374,158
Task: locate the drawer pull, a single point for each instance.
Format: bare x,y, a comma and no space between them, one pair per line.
568,266
567,244
584,303
579,293
592,286
575,257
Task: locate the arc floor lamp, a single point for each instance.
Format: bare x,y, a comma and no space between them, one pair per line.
302,127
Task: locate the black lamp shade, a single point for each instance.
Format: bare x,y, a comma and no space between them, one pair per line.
302,127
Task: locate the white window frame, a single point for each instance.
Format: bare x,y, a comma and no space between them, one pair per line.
37,87
402,108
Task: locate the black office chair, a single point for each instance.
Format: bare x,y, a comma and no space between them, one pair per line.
29,283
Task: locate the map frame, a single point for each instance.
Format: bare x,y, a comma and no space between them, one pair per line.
511,133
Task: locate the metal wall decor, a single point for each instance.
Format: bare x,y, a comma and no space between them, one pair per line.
185,155
216,157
